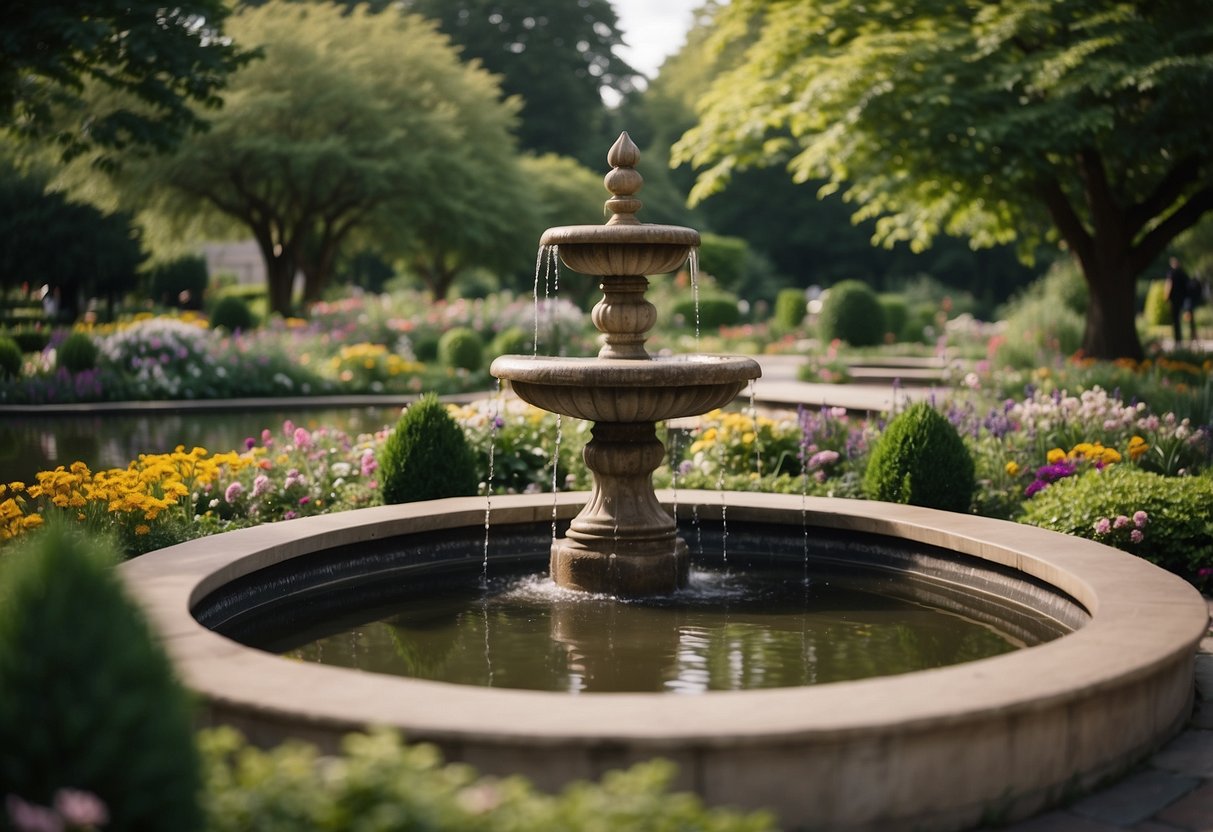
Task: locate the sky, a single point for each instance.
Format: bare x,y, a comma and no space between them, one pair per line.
653,30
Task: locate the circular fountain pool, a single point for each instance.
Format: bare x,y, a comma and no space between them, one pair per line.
942,748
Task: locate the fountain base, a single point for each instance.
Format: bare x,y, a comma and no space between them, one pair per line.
627,569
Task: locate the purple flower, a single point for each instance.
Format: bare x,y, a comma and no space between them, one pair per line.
1103,526
233,492
250,443
261,485
822,459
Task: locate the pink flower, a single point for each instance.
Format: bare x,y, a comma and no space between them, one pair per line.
81,808
822,459
303,439
304,500
1103,525
369,465
261,485
1140,518
29,817
233,492
288,427
1120,522
1136,536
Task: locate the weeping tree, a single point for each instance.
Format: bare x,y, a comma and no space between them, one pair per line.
1077,123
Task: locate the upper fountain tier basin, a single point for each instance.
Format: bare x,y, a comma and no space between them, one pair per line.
625,390
622,249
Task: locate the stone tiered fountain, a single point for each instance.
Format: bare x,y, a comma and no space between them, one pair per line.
623,542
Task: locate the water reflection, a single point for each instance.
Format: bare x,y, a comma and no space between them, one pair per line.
723,633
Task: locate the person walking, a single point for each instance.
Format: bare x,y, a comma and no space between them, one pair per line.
1182,298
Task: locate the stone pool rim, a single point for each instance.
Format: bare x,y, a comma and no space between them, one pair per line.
1014,733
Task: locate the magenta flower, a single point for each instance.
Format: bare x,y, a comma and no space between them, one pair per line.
303,439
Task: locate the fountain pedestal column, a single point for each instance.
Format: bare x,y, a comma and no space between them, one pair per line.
622,542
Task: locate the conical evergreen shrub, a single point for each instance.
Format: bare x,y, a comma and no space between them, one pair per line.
427,456
921,460
88,699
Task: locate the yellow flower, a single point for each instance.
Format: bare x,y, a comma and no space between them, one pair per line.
1137,447
1013,468
1055,455
143,529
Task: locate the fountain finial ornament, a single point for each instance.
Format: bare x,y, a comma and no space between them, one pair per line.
623,542
623,181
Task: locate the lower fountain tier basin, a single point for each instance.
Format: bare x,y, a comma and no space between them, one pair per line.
942,749
627,390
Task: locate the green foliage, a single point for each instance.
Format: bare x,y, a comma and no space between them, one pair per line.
724,258
921,460
181,282
1045,320
10,358
790,309
77,353
461,348
232,313
851,313
556,57
1178,533
379,783
512,341
90,700
711,312
427,456
1157,311
31,340
169,60
896,314
1000,122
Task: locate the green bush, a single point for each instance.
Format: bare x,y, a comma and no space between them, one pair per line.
379,783
1178,533
31,340
1157,311
715,311
461,348
512,341
851,312
724,258
790,309
77,353
425,347
232,313
896,313
427,456
181,282
10,358
920,459
90,701
1046,319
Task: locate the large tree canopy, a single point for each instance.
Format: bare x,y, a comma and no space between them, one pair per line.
1026,120
166,58
557,55
352,120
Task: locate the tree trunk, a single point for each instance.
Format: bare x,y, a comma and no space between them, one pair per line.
280,284
1111,328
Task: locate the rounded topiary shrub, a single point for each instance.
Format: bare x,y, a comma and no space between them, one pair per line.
427,456
921,460
512,341
233,314
896,314
181,282
461,348
714,311
10,358
90,701
790,309
77,353
851,312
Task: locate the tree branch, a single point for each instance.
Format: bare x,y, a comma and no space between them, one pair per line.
1068,223
1106,216
1168,189
1159,237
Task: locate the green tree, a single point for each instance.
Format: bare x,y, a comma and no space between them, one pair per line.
1077,122
73,248
556,55
167,58
342,128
